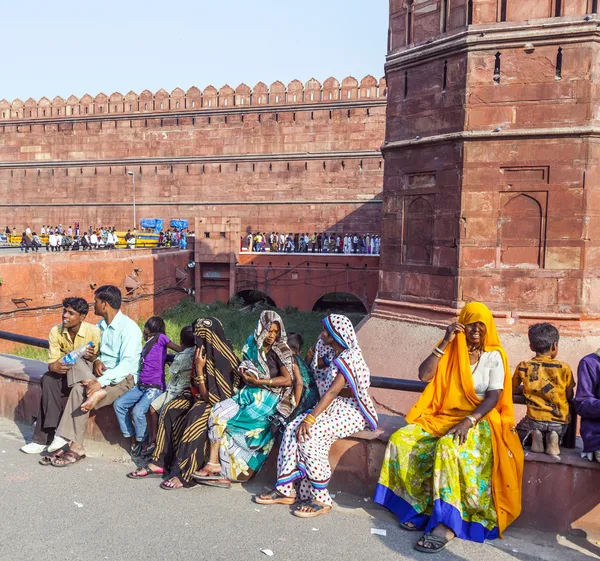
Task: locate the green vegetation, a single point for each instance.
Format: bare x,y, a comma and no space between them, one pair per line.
238,321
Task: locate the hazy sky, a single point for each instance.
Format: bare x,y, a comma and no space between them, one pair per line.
66,47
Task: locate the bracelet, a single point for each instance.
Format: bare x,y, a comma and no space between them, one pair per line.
440,351
309,419
472,419
437,353
270,382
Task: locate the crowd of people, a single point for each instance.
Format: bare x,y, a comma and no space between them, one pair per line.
57,238
455,470
318,242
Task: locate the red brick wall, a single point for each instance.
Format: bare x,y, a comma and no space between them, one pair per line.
46,279
63,161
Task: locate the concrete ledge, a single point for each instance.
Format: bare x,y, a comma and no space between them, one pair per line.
559,495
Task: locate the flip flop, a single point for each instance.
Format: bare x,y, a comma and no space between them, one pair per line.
150,473
69,455
275,498
438,542
211,475
318,510
222,483
166,487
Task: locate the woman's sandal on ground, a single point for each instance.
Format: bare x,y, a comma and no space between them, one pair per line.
317,510
211,475
167,486
437,543
274,497
67,459
405,526
222,482
149,473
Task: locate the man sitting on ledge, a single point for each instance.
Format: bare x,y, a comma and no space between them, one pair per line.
98,380
69,335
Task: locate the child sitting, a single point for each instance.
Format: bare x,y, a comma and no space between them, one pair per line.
547,385
151,383
180,380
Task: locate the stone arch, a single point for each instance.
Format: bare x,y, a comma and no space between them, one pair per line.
418,231
242,95
277,91
17,109
226,96
312,91
177,99
115,103
260,94
251,297
58,106
72,105
341,302
4,109
331,90
131,102
209,97
193,98
86,105
161,100
146,101
44,107
368,87
521,232
101,103
349,88
295,91
30,108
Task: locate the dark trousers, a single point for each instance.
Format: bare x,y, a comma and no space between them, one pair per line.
55,392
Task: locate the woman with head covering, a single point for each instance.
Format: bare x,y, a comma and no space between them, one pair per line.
456,469
183,426
240,430
345,408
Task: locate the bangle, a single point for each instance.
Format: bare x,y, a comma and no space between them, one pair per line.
270,382
440,351
472,419
435,352
309,419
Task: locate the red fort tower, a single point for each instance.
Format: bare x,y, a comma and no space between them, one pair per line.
491,188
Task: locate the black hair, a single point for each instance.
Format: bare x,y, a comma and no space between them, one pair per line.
187,336
295,342
155,325
78,304
111,295
542,336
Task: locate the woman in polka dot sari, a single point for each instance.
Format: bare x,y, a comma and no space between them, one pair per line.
345,408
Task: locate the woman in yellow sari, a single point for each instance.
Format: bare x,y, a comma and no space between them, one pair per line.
455,470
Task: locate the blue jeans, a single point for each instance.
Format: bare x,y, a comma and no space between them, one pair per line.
140,399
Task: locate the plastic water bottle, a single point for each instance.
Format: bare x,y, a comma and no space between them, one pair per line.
75,355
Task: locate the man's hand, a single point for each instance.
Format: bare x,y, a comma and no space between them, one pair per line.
91,386
59,367
90,354
99,369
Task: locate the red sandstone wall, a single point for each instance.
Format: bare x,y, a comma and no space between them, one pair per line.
46,279
63,161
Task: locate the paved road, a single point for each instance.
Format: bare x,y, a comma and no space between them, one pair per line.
91,512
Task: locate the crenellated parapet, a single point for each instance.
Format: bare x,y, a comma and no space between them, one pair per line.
350,89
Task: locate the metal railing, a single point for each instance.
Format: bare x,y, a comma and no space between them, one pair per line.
379,382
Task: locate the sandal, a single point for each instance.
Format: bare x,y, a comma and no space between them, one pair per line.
274,497
405,526
47,460
149,473
221,483
318,509
67,459
437,543
136,450
210,474
165,484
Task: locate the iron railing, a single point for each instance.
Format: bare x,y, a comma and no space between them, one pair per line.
379,382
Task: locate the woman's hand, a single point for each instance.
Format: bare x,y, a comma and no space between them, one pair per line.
461,431
303,432
452,330
249,380
200,358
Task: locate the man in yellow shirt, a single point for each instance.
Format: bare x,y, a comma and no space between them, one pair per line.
72,333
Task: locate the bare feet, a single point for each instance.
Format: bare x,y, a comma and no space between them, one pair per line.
552,447
91,402
537,444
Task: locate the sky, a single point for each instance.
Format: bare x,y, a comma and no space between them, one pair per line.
63,48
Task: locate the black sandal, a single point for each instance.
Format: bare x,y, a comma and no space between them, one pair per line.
437,542
149,473
405,526
317,510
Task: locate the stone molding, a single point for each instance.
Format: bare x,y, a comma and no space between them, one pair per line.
500,36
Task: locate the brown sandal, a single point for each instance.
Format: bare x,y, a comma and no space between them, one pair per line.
274,497
69,458
317,510
47,460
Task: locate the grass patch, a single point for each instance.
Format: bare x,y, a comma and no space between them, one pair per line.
238,324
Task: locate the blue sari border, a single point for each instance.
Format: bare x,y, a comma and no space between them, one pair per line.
443,513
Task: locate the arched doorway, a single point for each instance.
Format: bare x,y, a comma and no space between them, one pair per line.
341,302
253,297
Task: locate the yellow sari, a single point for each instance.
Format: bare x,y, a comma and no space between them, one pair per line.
476,495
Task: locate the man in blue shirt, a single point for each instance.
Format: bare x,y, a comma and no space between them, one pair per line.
99,380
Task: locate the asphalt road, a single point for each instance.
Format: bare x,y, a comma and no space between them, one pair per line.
91,511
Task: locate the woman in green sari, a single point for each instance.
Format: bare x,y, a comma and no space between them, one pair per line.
240,430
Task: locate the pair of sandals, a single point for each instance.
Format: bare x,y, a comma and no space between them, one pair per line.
274,497
430,543
62,458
